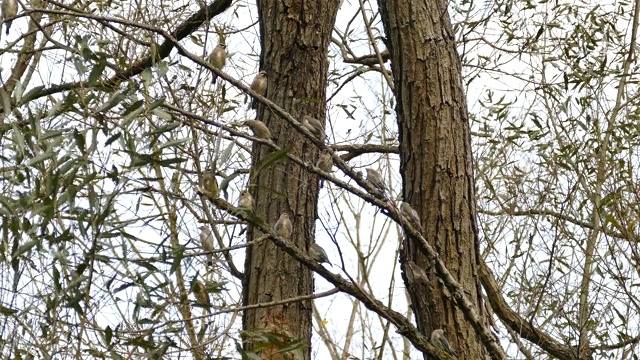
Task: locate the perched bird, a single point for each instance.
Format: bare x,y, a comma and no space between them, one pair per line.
209,183
260,130
246,201
217,59
283,227
438,339
200,293
259,85
9,10
415,274
376,180
317,254
325,161
206,241
313,125
409,212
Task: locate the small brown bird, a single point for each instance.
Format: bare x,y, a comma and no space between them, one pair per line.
283,227
325,161
410,213
376,180
217,59
9,10
259,85
313,125
200,293
317,254
439,339
260,130
206,241
246,201
209,183
416,275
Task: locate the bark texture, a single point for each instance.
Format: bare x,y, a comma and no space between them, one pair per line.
436,161
295,36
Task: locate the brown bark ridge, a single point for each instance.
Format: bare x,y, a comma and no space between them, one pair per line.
295,36
436,162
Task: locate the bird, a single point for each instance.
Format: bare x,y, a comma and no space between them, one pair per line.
409,212
259,85
313,125
283,227
206,241
317,254
260,130
246,201
200,293
9,10
217,59
415,274
209,183
438,339
376,180
325,161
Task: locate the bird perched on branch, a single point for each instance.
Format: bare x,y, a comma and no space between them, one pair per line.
200,293
217,59
9,10
313,125
439,339
317,254
259,129
283,227
259,85
206,241
325,161
410,213
415,274
246,201
209,183
376,180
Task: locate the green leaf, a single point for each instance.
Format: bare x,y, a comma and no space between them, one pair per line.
172,143
97,71
42,157
24,248
270,159
162,114
147,75
18,138
114,100
132,114
163,129
7,311
113,138
224,185
145,264
108,335
79,66
31,94
226,154
178,256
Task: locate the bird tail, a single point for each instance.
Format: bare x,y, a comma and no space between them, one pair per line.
209,260
8,25
214,77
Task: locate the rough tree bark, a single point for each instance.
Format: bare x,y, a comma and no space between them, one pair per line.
295,37
436,160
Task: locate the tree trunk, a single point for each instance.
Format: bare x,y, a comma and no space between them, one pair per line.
295,37
436,160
